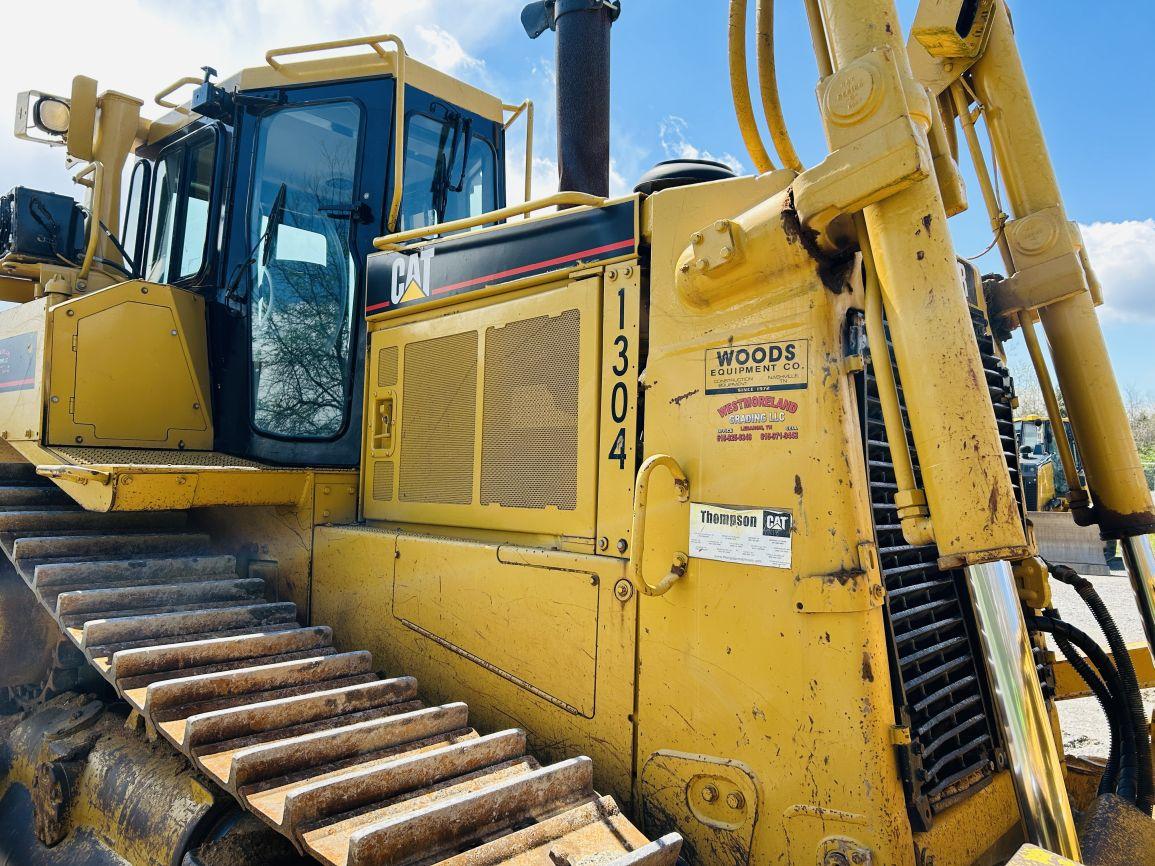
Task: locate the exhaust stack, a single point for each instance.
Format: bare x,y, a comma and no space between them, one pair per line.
583,86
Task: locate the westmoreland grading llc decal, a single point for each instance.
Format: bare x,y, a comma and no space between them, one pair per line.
747,374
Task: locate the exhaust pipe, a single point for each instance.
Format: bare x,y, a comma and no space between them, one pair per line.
583,87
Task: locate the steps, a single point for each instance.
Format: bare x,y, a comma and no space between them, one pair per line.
349,765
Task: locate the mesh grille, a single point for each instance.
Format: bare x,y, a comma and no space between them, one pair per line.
939,685
383,480
439,420
152,457
530,413
387,367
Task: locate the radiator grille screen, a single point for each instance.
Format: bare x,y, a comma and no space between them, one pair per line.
939,679
383,480
530,413
438,420
387,367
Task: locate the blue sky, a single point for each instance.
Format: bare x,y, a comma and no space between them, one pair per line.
670,96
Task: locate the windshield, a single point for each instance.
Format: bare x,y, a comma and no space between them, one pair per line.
1031,437
450,173
301,304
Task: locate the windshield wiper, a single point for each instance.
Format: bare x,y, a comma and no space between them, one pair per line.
447,151
265,245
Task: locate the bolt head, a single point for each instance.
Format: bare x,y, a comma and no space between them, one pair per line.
623,590
725,252
735,801
709,793
696,238
603,543
722,225
702,264
622,545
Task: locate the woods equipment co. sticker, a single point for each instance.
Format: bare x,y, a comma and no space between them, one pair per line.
757,367
749,536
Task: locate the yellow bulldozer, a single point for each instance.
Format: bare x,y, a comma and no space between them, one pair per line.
1047,496
356,515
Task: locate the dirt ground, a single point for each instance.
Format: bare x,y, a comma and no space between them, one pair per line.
1083,723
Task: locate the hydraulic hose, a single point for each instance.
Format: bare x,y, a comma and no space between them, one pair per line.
740,86
1128,783
1127,676
1086,672
768,84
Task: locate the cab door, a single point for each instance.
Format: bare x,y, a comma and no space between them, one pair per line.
310,196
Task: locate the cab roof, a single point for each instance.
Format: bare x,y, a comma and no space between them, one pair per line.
341,68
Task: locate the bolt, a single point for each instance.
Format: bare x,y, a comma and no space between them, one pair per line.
325,513
326,490
79,439
628,272
623,590
603,543
736,801
144,290
173,332
196,405
702,264
622,545
709,793
696,238
180,444
835,858
613,275
55,399
685,269
71,313
725,252
722,225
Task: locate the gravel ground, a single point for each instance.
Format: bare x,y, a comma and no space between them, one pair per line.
1082,720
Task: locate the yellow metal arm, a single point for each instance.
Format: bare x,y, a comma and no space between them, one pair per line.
162,98
527,109
561,199
638,527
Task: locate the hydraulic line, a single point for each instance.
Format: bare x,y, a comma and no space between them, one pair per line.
1087,673
1130,682
768,84
1128,784
740,86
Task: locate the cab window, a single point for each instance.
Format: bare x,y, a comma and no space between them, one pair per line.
450,172
302,207
182,195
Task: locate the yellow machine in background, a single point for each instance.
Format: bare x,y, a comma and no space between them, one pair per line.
705,497
1047,491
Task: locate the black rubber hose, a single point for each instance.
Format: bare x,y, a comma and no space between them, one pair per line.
1128,784
1130,681
1110,779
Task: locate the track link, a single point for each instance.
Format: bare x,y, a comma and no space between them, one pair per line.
347,764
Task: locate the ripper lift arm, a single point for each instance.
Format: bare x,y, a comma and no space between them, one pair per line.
1050,278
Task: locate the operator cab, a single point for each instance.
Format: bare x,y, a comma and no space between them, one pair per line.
268,208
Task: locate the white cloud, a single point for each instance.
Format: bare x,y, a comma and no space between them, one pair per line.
145,44
672,134
1123,256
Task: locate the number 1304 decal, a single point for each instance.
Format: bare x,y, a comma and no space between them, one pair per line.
620,370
